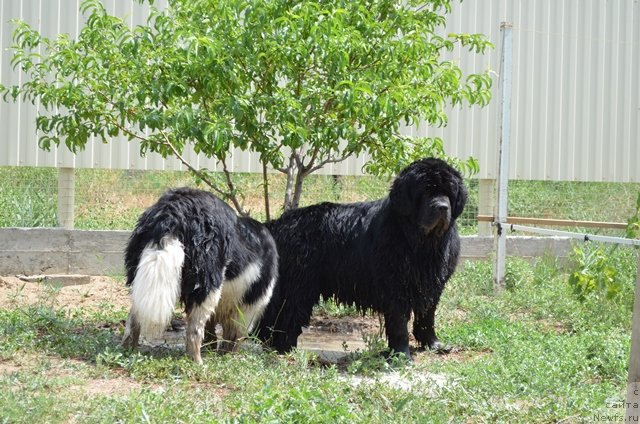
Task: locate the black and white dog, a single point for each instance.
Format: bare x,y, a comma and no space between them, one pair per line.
191,246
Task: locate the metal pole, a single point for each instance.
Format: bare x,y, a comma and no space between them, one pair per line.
504,131
579,236
633,388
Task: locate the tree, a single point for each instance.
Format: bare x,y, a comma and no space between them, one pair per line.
304,83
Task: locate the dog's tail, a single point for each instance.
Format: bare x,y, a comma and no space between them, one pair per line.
155,288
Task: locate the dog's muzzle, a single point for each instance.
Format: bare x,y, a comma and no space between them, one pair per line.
438,218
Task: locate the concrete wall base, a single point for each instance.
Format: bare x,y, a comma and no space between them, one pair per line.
35,251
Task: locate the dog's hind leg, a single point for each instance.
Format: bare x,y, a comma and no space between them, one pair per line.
197,318
131,332
210,336
237,323
232,330
244,318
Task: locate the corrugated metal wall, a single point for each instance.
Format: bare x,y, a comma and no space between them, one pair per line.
575,107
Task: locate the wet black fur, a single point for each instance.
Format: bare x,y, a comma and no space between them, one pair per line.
213,236
392,255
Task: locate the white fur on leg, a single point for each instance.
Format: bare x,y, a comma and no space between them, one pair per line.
228,314
196,322
234,290
253,312
238,318
131,333
156,286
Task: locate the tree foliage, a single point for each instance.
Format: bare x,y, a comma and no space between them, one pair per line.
303,83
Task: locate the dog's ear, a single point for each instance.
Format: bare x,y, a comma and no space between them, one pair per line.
460,201
400,196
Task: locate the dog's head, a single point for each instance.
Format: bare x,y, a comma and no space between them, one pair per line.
430,193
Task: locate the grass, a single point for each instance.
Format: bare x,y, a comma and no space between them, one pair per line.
573,200
548,356
533,353
28,197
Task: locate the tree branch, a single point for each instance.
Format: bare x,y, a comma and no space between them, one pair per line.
201,175
232,189
265,183
309,164
195,171
326,162
295,154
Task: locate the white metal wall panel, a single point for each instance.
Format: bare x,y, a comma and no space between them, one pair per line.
575,101
473,131
575,107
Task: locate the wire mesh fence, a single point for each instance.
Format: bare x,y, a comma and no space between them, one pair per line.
28,197
113,199
579,201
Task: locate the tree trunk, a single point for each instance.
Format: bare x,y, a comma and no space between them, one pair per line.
297,190
288,193
265,183
293,193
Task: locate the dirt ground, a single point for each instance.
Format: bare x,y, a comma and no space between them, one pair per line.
95,292
91,292
331,338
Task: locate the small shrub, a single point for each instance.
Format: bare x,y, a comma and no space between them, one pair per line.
633,223
545,270
594,272
375,357
115,358
518,273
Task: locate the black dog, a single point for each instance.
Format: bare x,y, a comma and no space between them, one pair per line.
392,255
191,245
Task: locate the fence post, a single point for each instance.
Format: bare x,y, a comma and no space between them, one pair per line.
633,388
486,203
66,197
504,132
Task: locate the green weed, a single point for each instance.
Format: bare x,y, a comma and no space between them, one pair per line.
594,271
329,307
633,223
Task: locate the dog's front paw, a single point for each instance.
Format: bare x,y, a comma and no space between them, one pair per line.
439,347
435,346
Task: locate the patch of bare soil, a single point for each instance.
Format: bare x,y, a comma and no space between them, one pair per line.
9,367
94,295
62,368
107,386
54,366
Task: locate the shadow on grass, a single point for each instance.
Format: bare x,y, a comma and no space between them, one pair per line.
49,331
